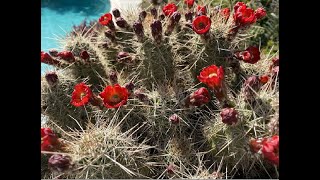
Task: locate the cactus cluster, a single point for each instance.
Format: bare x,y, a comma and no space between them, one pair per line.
171,91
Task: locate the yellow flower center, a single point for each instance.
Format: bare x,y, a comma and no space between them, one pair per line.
212,75
82,95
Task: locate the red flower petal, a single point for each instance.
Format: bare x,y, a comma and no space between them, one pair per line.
105,19
199,97
243,16
201,10
260,13
238,4
264,79
114,96
212,76
201,24
169,9
189,3
48,139
270,149
225,13
250,55
81,95
46,131
66,55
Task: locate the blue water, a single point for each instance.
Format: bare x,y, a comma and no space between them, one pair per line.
58,17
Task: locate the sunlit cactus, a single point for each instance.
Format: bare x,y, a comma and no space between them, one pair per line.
146,93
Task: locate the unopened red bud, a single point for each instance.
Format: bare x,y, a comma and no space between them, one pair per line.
142,15
52,78
122,23
199,97
139,94
109,34
138,30
129,86
113,77
176,16
60,163
124,57
229,116
84,55
116,13
170,169
67,56
189,16
154,12
161,17
53,52
174,119
156,30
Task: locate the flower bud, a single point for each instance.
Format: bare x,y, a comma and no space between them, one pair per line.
229,116
52,78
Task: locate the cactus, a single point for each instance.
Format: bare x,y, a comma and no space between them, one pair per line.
144,94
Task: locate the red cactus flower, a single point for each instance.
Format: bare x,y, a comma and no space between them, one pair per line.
199,97
229,116
48,139
270,150
250,55
201,24
260,13
225,12
169,9
201,10
239,4
189,3
264,79
46,144
268,147
106,19
243,16
81,95
67,56
212,76
114,96
46,132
